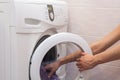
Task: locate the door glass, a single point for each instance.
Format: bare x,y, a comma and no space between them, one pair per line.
50,57
65,72
71,68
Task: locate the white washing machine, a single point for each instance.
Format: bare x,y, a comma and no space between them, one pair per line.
36,21
35,41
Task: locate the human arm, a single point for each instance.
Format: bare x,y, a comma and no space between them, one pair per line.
89,61
110,54
67,59
96,48
101,55
70,58
106,41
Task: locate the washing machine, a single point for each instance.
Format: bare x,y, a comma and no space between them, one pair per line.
36,20
39,38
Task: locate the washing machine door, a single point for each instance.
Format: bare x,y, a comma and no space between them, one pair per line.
49,43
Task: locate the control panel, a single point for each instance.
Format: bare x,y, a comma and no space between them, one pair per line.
41,15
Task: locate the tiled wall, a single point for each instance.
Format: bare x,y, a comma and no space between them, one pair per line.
93,19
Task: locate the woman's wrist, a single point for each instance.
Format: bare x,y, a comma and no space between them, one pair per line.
61,61
98,59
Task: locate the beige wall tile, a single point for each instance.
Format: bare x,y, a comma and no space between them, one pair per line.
93,21
95,3
103,72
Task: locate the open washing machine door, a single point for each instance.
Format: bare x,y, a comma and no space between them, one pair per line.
47,44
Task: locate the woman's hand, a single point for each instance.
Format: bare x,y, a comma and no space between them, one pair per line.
87,61
52,68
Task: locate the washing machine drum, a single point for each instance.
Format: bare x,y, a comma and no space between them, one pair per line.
49,45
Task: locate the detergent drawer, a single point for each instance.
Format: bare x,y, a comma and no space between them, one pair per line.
4,8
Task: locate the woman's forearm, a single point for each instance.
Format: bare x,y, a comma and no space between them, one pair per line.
70,58
110,54
106,42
